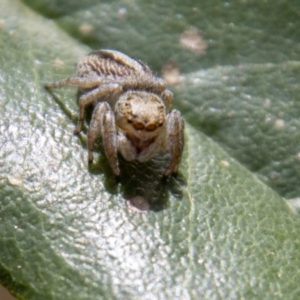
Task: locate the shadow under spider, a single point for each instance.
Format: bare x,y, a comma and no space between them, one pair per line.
141,184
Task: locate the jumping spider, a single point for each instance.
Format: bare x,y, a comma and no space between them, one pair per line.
132,109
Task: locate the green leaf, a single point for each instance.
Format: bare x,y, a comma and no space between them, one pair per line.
253,112
235,32
250,108
69,231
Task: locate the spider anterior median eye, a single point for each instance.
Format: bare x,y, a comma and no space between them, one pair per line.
139,126
151,127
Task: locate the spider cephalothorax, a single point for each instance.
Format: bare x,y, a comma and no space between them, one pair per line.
132,109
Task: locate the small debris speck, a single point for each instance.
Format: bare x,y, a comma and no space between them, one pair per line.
267,103
224,163
86,29
15,180
58,63
274,176
192,39
122,12
279,124
138,204
171,74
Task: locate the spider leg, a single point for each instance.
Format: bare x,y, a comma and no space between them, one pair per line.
125,147
159,85
175,127
95,95
103,123
157,146
80,82
167,97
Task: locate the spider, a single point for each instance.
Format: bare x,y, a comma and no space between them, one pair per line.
131,109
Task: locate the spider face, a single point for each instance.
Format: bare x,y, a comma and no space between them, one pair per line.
138,111
132,109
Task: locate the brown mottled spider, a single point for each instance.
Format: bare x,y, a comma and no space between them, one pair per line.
132,109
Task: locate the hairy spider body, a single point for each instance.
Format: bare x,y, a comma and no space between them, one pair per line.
132,109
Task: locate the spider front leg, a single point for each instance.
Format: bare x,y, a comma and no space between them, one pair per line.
167,97
103,123
175,133
80,82
102,92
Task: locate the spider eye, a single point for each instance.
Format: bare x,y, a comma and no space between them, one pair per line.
138,126
151,127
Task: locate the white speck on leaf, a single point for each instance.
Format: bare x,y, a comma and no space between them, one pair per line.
192,39
86,29
171,74
224,163
267,103
122,12
15,180
58,63
279,124
138,204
